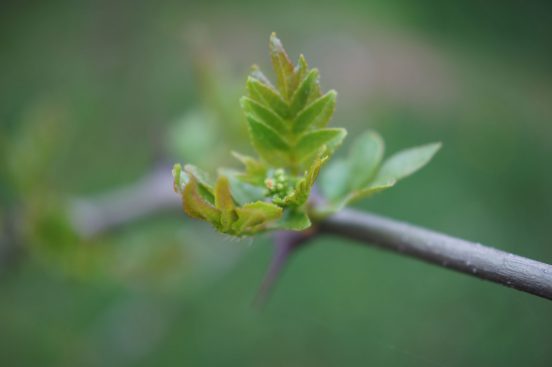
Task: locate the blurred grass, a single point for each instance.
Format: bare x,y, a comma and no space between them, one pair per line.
165,291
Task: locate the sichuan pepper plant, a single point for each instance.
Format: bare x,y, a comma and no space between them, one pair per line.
288,128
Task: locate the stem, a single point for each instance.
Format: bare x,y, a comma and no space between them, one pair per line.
153,194
150,195
467,257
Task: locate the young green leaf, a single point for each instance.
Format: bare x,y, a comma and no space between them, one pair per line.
254,217
313,141
244,192
364,158
202,176
180,179
267,96
303,187
263,114
304,92
268,143
195,204
302,68
317,114
293,220
255,170
334,180
204,182
293,110
257,74
368,191
283,67
224,202
361,176
406,162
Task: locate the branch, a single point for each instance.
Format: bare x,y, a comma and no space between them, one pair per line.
152,194
467,257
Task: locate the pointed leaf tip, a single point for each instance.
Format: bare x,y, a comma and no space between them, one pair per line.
283,67
179,178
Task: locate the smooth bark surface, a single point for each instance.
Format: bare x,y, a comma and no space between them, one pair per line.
467,257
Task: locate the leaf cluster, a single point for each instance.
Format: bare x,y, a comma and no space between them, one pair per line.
287,123
364,172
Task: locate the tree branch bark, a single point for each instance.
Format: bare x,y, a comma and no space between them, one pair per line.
467,257
153,194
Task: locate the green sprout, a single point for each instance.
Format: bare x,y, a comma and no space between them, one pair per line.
287,125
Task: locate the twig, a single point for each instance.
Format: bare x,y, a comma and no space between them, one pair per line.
150,195
153,194
467,257
285,244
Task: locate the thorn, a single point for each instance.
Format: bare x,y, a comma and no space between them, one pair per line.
285,242
281,254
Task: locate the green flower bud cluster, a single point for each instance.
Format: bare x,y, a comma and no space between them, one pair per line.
279,186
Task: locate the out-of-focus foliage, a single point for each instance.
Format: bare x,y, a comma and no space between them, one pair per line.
40,223
205,133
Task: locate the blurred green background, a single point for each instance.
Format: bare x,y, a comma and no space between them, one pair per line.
96,95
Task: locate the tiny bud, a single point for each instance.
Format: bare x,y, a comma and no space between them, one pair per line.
269,183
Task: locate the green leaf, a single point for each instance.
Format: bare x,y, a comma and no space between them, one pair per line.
255,170
202,176
267,96
195,205
343,176
317,114
406,162
337,205
244,192
303,93
360,176
312,142
263,114
267,142
255,217
256,73
224,202
364,158
293,220
334,180
303,187
223,197
283,67
180,179
301,69
205,186
368,191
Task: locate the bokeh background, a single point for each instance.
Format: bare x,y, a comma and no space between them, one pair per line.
99,98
